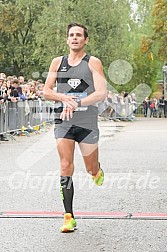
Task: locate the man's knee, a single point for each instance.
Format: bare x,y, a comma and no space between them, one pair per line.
66,165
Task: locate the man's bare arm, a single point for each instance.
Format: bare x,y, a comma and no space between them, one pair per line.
100,83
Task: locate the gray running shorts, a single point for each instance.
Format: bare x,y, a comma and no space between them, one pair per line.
78,134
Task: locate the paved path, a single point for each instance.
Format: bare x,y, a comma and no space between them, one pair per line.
134,158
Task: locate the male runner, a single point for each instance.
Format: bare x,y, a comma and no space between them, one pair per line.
80,85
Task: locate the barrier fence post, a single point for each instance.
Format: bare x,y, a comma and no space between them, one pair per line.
1,119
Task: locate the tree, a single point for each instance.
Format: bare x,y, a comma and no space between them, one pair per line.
107,32
145,63
34,32
160,29
156,42
17,40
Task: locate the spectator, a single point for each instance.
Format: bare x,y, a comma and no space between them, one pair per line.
16,90
155,109
3,89
146,106
32,95
110,105
134,102
3,96
40,90
121,106
160,106
3,92
151,106
3,76
165,108
1,81
21,80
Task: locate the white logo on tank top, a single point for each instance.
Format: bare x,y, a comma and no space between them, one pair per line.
74,83
64,69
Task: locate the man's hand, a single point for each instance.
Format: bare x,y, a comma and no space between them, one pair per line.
67,113
69,101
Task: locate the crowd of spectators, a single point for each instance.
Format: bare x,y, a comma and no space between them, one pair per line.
14,89
116,107
119,107
155,107
124,106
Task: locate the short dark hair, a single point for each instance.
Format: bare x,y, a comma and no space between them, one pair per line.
15,81
79,25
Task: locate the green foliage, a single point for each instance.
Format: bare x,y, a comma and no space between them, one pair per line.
32,33
107,32
17,38
145,63
160,29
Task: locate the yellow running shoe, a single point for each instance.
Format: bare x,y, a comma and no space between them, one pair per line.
69,224
99,178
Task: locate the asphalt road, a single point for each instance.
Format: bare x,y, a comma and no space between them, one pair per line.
134,158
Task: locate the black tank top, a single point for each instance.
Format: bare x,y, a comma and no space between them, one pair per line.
77,79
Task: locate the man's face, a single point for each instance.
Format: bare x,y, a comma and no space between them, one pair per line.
4,86
21,79
15,85
76,39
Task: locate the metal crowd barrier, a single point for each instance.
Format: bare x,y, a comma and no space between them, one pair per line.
114,111
15,115
128,111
